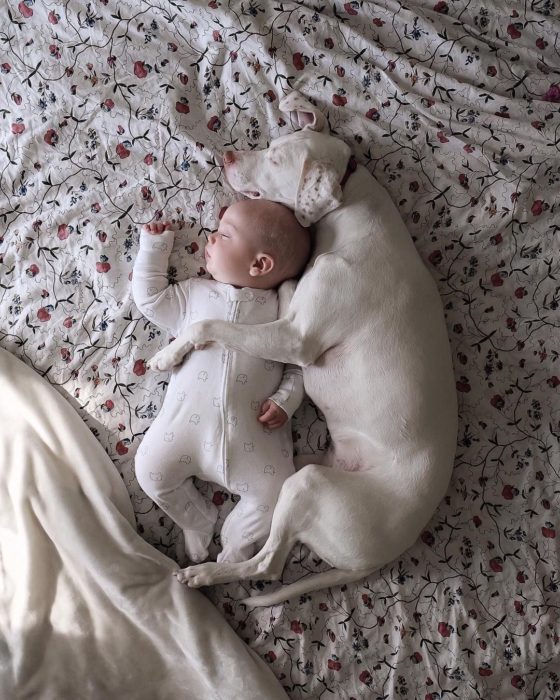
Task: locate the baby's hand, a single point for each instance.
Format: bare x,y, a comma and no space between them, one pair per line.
155,229
272,415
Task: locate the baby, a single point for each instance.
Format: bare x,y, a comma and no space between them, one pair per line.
225,414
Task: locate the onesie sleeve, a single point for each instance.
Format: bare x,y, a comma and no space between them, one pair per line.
290,393
162,303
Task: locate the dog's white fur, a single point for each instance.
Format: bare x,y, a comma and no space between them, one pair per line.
366,323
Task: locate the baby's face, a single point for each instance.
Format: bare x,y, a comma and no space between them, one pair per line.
231,250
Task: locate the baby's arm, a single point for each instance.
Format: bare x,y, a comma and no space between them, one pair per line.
163,304
290,393
277,409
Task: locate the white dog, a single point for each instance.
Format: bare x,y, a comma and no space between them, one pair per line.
366,323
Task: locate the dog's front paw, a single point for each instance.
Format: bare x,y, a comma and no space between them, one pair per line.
196,576
169,357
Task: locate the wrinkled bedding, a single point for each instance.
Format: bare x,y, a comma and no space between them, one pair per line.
88,609
114,112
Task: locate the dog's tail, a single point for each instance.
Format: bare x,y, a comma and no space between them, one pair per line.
326,579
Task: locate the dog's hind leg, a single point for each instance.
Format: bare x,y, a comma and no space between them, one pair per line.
267,564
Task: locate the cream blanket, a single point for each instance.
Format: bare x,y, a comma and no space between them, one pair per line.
88,609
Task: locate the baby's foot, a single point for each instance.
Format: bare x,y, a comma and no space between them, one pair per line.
196,544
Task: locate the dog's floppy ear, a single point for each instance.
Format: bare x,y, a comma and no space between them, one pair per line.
309,117
319,191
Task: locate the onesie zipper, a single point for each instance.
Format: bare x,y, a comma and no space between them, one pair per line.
233,315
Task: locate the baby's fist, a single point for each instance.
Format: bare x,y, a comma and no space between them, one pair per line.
157,228
272,415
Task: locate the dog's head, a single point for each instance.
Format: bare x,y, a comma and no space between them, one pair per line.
302,170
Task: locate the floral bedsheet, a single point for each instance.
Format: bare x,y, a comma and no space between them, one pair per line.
116,112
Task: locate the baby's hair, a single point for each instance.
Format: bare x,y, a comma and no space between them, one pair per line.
284,238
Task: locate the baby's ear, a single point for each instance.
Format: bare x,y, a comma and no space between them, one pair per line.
319,191
263,264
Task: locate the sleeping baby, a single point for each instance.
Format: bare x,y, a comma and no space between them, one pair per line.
225,414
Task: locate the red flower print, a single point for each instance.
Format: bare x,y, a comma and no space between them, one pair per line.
552,94
269,96
184,78
548,531
378,22
18,128
491,71
149,159
514,30
485,670
365,677
68,322
339,100
43,314
441,137
139,368
518,682
541,43
25,10
16,98
509,492
102,266
53,17
121,448
334,665
182,106
329,43
214,124
270,656
497,280
373,114
441,7
32,270
64,231
428,538
435,257
537,208
140,70
51,137
218,499
497,401
340,71
122,151
416,658
351,8
217,36
553,382
463,385
444,629
496,564
296,627
298,61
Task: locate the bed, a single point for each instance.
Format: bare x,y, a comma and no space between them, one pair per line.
115,112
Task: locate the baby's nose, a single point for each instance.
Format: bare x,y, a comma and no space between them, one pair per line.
229,157
212,238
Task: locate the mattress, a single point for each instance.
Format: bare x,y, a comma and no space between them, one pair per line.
116,113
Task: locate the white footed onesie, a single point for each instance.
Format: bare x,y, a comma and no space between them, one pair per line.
208,424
